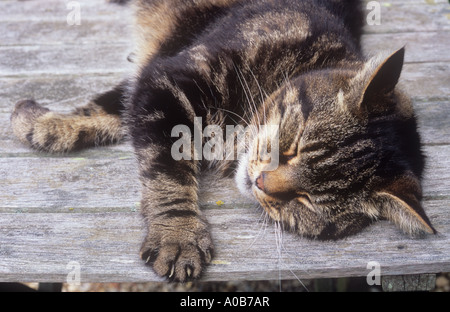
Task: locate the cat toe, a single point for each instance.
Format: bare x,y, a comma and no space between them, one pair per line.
177,261
23,118
28,109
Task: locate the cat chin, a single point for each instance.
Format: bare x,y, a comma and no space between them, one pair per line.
242,179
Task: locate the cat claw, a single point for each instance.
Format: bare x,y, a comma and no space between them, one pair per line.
178,263
188,272
172,270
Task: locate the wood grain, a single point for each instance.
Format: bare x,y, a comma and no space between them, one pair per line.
38,247
98,182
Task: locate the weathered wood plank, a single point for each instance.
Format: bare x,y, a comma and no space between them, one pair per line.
38,60
427,81
84,58
57,92
433,121
109,182
44,32
100,21
56,10
38,247
411,16
420,46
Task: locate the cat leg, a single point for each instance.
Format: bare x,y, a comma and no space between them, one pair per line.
178,244
97,123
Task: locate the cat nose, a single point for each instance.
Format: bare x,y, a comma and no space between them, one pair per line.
277,184
260,182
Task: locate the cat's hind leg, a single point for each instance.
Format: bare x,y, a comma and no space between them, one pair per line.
97,123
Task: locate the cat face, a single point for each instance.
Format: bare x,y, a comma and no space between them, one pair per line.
343,160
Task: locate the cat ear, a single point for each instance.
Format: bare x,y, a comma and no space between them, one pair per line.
378,79
386,75
400,203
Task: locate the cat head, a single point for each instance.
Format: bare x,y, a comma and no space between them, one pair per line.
349,153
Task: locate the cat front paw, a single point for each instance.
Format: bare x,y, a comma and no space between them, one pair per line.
178,252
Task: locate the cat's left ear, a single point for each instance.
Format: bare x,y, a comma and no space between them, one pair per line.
385,77
378,80
400,203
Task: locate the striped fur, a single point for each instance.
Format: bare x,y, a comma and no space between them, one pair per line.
349,150
97,123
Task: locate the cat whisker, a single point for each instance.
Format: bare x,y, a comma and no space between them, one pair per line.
253,121
263,94
263,222
234,114
296,277
279,228
278,237
295,259
248,94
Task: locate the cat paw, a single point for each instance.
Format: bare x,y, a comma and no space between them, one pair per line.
23,119
177,254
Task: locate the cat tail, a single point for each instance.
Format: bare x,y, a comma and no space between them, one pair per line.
100,122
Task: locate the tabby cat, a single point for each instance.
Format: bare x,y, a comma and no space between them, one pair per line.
349,151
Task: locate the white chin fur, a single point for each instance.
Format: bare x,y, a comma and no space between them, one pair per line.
241,177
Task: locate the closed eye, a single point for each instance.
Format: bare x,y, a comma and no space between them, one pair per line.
288,157
304,195
312,147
